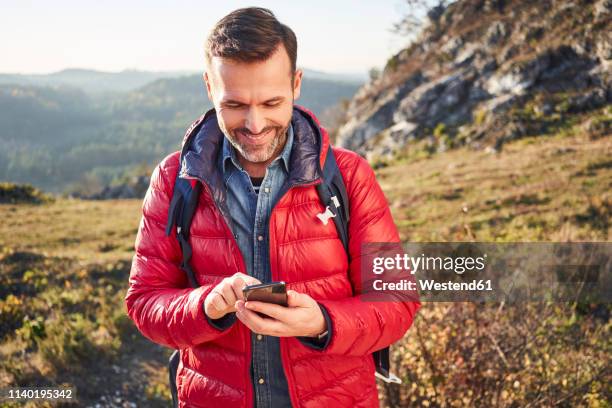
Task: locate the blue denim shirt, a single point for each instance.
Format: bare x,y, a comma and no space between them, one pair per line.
250,213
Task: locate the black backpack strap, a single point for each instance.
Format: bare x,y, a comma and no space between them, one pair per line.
184,202
333,195
173,363
383,365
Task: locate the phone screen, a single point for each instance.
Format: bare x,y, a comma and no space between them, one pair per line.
274,292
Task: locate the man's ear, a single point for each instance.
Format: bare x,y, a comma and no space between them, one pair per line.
297,83
207,82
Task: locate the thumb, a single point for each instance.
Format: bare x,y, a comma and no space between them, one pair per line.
296,299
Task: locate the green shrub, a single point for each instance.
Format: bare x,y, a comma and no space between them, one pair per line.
11,193
392,64
440,130
11,314
35,278
68,341
480,116
32,329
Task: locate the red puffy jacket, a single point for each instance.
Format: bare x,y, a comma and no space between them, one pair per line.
309,256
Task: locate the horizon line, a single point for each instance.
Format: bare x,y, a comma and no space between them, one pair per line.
186,70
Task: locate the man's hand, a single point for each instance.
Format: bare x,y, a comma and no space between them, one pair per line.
222,299
302,317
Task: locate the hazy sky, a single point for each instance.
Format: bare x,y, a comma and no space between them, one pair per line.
45,36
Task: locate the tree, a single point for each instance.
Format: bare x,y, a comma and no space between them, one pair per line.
413,21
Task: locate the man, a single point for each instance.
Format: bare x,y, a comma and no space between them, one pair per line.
259,158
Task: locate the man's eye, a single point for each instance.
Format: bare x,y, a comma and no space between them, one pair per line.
272,104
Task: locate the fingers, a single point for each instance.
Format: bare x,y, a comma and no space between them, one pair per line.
237,285
296,299
258,324
214,305
218,302
305,319
270,309
222,298
227,291
247,279
230,289
238,281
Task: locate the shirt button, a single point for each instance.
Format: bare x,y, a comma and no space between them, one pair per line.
259,337
260,237
267,189
261,381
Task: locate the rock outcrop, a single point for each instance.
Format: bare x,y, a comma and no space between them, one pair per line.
483,72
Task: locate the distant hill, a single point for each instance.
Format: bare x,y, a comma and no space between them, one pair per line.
186,96
314,74
91,80
56,136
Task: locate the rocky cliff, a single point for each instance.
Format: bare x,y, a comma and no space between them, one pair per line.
483,72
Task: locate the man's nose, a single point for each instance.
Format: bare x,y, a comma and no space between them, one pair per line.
255,121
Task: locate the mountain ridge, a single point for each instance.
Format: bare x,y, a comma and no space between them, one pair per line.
60,137
127,80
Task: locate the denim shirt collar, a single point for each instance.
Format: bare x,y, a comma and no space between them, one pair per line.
228,153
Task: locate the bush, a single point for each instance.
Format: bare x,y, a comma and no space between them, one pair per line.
392,64
11,314
68,342
468,354
32,329
11,193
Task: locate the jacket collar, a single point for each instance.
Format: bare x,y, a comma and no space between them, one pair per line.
204,140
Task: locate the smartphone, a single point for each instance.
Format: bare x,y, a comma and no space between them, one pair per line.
273,292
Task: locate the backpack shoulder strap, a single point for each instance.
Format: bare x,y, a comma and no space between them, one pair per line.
185,197
333,195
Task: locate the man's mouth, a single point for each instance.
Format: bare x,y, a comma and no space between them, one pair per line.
254,139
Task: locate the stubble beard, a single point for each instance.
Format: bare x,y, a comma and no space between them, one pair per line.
258,155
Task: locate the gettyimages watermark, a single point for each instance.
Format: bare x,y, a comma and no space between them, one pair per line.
486,271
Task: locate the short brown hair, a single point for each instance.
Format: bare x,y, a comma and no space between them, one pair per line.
248,35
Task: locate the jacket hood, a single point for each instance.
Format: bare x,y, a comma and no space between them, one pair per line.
203,141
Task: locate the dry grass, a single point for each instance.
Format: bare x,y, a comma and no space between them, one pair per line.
90,231
531,191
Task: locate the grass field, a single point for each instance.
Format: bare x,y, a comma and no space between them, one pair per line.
64,268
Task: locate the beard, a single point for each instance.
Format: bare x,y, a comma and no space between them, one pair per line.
258,154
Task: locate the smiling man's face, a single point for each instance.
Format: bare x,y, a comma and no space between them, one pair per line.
254,104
